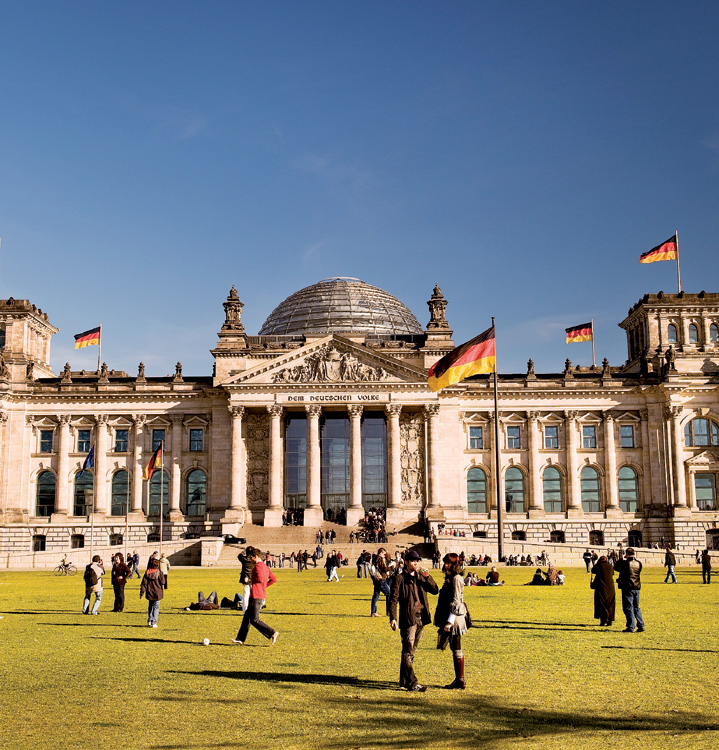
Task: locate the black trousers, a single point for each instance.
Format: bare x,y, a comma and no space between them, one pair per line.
119,604
410,640
706,575
252,617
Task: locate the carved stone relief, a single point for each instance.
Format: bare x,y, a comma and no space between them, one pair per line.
258,459
411,436
328,365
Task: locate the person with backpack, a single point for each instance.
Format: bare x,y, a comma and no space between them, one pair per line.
153,587
93,585
629,581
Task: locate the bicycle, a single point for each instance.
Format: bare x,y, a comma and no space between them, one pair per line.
66,569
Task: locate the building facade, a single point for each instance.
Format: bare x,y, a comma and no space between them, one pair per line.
327,409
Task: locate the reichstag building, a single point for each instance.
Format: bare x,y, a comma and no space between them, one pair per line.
327,409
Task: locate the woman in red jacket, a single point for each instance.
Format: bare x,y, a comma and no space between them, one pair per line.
262,577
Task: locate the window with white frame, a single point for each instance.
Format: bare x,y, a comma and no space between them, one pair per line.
197,439
626,436
46,441
120,441
513,437
551,436
628,489
589,436
83,441
476,438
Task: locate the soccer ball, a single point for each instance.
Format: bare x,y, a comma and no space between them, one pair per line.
206,642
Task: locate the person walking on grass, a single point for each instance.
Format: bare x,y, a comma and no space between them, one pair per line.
629,581
120,572
331,565
153,587
93,585
706,567
409,595
451,617
262,577
165,567
134,560
670,562
379,572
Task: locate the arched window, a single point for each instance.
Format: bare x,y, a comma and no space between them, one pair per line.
120,493
693,334
701,433
476,490
514,490
45,502
714,333
552,490
84,498
589,481
196,488
628,489
158,479
672,333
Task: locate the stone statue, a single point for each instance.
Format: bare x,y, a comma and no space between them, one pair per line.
437,305
233,312
328,365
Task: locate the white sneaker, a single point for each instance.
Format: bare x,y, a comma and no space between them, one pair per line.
154,624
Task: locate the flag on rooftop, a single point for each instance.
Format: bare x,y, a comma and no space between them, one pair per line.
584,332
88,338
666,251
154,463
474,357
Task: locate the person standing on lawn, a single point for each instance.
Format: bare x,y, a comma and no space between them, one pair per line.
379,572
164,567
451,617
604,594
153,587
248,563
409,594
670,562
120,572
629,581
262,577
93,585
706,567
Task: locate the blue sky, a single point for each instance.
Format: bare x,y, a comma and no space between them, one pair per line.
520,154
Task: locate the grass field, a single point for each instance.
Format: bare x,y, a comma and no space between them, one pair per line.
540,673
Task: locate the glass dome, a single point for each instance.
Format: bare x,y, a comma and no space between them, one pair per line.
341,305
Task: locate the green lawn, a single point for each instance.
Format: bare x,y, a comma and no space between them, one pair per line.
540,673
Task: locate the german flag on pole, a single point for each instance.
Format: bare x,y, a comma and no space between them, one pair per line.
88,338
472,358
584,332
154,463
666,251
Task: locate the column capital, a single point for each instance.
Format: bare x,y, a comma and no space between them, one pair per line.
570,415
236,412
610,415
644,414
102,419
177,420
355,410
532,416
393,410
63,419
313,410
3,417
139,419
674,411
275,410
431,410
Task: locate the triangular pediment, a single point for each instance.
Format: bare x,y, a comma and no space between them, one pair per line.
332,360
706,460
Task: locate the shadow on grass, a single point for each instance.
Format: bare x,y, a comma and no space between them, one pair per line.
292,677
529,625
462,721
657,648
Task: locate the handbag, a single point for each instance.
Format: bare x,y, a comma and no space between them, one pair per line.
467,617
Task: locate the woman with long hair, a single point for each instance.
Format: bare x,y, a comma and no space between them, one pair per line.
451,616
120,573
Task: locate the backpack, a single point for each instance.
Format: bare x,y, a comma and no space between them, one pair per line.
90,576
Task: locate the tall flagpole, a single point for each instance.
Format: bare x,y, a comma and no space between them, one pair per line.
679,272
497,483
127,509
594,356
99,350
162,488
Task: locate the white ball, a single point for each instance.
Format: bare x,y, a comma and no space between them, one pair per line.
206,642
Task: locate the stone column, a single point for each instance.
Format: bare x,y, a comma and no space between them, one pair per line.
574,495
355,512
62,494
137,467
313,509
677,447
646,498
536,504
101,484
394,463
273,513
610,467
431,412
238,470
176,473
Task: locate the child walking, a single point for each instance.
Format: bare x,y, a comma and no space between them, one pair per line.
153,586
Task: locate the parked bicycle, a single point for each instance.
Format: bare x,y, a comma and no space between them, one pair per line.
66,569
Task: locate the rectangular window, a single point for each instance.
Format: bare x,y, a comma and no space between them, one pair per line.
551,436
513,440
196,439
83,441
589,436
626,436
705,486
158,436
475,438
2,337
46,441
120,441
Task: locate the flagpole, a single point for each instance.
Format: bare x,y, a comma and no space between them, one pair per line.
500,529
127,510
162,488
594,356
99,350
679,272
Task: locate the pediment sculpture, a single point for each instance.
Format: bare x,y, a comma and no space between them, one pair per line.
328,365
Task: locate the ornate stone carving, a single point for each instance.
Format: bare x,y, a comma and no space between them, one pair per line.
412,458
431,410
66,374
313,410
274,410
258,459
102,419
103,374
532,416
355,410
233,313
605,368
63,419
393,410
328,365
570,415
568,368
530,369
30,371
236,412
674,411
178,373
4,416
139,419
437,306
141,373
609,416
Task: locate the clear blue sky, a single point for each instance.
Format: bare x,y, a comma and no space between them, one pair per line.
520,154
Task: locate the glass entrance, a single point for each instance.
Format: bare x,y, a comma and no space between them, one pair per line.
335,482
295,461
374,461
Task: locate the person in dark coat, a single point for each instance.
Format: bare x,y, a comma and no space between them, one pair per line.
451,617
120,574
152,586
409,596
604,594
706,567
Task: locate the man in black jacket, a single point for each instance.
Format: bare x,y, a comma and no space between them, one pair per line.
629,581
409,592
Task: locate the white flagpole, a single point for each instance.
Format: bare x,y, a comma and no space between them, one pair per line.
594,356
679,272
162,489
99,350
497,483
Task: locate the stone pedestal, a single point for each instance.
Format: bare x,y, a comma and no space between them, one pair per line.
536,513
613,513
273,517
575,513
354,516
313,517
58,518
681,511
175,516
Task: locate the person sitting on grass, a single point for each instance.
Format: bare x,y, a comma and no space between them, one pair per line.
537,579
551,575
492,577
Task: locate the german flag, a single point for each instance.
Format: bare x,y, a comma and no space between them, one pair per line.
584,332
666,251
472,358
154,463
88,338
